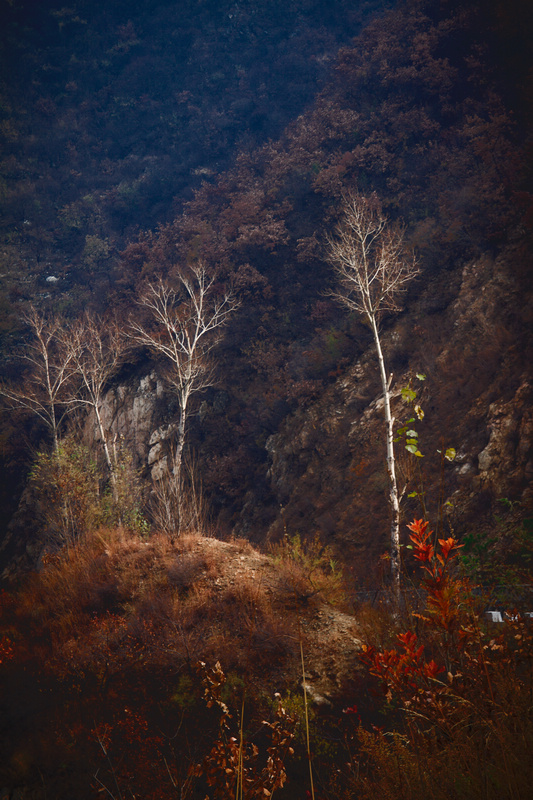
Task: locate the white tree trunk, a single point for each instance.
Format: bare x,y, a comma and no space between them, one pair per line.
393,486
189,316
178,465
374,269
178,455
107,453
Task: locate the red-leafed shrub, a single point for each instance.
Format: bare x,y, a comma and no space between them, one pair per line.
459,691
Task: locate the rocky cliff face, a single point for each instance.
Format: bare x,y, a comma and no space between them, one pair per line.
466,330
132,413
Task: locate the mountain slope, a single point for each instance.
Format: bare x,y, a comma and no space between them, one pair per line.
430,109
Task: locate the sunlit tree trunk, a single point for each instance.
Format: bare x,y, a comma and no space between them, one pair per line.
183,328
391,469
373,270
97,347
48,390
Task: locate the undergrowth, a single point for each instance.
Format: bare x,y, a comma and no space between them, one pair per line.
143,668
460,691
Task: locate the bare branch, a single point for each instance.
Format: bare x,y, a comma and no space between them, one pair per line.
370,259
185,328
96,348
49,389
185,323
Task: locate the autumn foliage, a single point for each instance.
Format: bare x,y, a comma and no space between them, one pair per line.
429,108
111,665
458,689
231,767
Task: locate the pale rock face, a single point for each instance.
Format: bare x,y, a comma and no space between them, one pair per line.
129,412
160,469
507,457
464,472
155,453
162,433
158,455
503,425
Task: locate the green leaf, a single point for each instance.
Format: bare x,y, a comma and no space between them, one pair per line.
414,450
412,434
450,454
412,494
420,376
408,394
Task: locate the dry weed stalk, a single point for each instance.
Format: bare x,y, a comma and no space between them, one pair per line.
178,504
308,571
231,768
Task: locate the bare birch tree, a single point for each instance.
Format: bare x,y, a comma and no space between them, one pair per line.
373,270
48,390
184,328
96,348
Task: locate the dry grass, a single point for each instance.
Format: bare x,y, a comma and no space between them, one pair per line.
171,603
307,574
376,626
117,626
123,622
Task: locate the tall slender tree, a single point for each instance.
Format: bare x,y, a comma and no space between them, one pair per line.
48,389
184,327
373,269
96,349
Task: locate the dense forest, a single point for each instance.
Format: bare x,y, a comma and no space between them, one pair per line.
195,541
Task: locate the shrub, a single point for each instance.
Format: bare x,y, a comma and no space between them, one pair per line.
67,483
233,768
462,690
308,571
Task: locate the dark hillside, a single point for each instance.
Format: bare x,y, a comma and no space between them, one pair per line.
195,594
428,107
113,114
427,110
